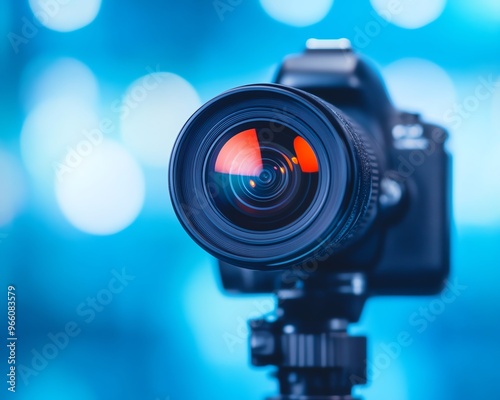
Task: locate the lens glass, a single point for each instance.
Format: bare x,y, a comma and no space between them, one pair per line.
262,175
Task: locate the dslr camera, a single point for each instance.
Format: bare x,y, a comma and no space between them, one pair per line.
317,189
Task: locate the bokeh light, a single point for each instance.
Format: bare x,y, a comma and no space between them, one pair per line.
420,85
50,131
153,111
65,15
409,14
104,193
64,77
297,12
381,378
12,188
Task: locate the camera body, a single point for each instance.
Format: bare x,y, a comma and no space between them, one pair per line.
316,189
406,251
379,179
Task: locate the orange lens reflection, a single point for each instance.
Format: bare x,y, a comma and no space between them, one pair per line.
240,155
305,155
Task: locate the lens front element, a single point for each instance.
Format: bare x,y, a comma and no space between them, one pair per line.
262,176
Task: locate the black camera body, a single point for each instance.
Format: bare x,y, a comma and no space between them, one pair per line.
317,189
405,250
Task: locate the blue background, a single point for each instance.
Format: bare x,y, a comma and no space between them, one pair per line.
165,335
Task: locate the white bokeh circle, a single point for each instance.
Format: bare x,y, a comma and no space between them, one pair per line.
297,12
410,14
50,129
153,111
422,86
65,15
63,77
104,193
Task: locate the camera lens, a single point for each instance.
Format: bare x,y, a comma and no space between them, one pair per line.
266,176
262,179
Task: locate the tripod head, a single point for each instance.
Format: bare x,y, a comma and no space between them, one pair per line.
309,343
318,190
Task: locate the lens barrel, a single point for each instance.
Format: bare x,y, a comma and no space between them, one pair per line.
267,176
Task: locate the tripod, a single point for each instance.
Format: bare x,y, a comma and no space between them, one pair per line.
316,359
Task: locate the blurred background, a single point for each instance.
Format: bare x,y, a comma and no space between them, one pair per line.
114,301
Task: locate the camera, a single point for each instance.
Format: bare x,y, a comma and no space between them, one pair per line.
315,188
318,171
